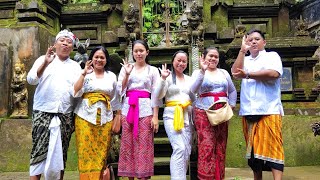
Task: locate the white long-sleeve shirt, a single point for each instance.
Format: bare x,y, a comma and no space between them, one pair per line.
55,87
106,85
145,81
175,92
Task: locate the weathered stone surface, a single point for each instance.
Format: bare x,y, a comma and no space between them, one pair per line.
6,14
16,143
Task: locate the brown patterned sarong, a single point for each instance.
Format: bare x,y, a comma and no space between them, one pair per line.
41,134
136,154
212,144
264,139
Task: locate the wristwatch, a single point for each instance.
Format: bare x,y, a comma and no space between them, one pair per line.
247,75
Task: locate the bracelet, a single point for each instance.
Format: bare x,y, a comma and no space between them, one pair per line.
247,75
84,74
127,73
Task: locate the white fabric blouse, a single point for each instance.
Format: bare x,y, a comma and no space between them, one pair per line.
175,92
55,87
106,85
146,81
203,83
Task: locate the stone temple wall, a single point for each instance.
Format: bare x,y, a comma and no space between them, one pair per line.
15,44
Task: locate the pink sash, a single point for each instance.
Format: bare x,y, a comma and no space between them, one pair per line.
133,113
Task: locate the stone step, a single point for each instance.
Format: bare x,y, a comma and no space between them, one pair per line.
162,147
161,166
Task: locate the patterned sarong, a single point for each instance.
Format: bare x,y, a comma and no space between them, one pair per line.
136,154
41,134
265,139
212,144
93,143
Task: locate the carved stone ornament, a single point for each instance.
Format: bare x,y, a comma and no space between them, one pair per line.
19,92
302,27
195,27
131,21
240,29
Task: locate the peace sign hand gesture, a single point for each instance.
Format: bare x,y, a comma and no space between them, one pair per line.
164,71
127,66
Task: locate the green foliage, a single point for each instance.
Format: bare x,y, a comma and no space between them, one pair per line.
154,39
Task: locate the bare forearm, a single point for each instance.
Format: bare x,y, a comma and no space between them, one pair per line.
238,64
125,81
79,84
155,111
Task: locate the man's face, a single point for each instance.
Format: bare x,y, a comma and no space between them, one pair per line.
256,42
64,46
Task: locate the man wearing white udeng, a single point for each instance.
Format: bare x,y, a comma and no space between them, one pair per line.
52,119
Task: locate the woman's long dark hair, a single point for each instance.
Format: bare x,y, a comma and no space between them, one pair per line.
105,51
173,72
144,44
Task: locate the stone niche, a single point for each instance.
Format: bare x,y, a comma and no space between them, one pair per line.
24,45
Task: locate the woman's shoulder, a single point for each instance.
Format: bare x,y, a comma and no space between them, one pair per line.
224,71
110,74
187,76
152,67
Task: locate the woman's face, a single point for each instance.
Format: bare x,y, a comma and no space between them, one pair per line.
140,53
99,59
213,58
180,62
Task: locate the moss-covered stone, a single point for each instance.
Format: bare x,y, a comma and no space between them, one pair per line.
115,20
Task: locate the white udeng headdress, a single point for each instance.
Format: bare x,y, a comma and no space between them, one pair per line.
66,33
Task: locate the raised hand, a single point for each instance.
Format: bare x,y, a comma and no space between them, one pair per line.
203,64
88,67
245,45
164,71
127,66
50,55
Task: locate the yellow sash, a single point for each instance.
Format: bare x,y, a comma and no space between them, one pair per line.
178,121
94,97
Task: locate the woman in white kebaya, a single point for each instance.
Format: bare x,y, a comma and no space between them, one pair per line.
175,87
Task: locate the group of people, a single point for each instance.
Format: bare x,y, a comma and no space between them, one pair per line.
97,97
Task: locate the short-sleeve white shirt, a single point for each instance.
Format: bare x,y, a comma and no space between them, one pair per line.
261,97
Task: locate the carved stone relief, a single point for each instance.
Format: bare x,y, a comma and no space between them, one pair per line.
19,91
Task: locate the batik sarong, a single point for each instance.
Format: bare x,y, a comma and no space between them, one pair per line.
136,154
93,143
264,142
41,134
212,143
